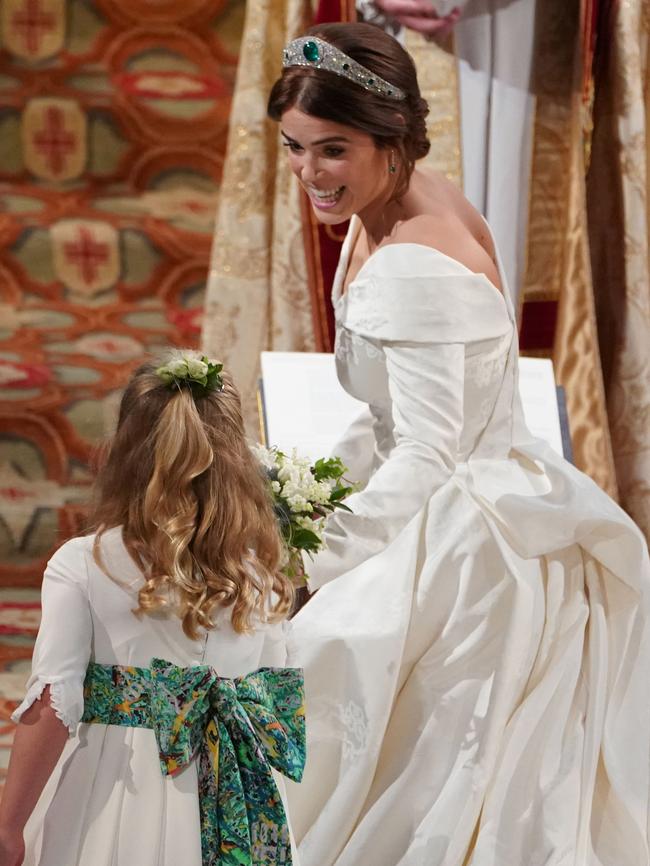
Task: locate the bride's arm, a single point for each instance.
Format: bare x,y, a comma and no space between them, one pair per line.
426,389
421,309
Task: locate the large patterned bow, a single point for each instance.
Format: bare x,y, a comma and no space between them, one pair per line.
239,728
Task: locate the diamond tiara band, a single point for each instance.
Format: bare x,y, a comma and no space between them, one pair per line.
314,52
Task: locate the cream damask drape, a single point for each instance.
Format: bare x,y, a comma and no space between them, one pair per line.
257,297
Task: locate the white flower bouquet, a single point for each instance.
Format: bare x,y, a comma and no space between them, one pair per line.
304,494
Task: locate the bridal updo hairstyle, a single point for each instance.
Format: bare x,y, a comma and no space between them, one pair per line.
397,124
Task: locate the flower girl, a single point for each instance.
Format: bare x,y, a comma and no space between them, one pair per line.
164,634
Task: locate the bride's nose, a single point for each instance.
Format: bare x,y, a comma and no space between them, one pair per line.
309,170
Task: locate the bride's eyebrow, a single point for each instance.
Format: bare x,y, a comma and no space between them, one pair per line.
328,140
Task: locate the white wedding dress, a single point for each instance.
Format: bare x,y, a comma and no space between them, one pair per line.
478,659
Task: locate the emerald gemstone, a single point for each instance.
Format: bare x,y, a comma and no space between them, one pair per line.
371,81
346,66
311,52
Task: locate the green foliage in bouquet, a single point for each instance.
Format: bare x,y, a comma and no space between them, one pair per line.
304,495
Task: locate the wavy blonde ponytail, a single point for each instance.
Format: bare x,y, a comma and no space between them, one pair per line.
193,506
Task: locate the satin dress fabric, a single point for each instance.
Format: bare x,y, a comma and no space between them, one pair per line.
477,655
107,802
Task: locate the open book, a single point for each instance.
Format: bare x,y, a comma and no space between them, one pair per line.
303,405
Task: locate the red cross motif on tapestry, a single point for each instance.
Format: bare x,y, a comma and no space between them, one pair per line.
197,207
53,141
14,494
30,22
87,254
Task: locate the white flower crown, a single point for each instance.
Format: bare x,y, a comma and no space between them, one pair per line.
201,374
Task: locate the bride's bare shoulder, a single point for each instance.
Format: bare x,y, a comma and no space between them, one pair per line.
445,231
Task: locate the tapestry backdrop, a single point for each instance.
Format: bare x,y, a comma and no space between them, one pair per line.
113,125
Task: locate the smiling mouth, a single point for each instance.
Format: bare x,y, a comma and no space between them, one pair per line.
325,196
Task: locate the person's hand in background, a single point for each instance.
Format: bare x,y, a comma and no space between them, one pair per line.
419,15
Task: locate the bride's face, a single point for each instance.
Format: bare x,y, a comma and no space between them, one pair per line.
341,168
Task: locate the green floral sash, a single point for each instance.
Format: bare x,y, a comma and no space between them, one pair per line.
239,728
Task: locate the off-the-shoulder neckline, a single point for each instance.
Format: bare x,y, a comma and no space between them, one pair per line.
338,295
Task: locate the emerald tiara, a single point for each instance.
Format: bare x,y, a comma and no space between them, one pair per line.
314,52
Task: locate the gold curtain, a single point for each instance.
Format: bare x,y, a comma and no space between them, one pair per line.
257,297
619,227
437,70
558,274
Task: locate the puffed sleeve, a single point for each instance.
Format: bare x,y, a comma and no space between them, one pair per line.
63,645
423,341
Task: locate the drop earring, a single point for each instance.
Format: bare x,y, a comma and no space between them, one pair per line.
392,168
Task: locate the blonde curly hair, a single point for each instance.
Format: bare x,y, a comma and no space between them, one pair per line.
195,512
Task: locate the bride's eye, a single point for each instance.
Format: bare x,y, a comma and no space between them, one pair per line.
293,146
334,151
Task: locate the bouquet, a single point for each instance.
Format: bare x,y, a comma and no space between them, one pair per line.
303,495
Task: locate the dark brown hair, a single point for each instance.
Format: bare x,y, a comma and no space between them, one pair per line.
196,516
396,124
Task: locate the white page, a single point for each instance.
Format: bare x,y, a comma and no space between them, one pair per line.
539,400
304,403
306,407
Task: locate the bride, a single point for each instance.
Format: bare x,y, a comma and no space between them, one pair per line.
477,656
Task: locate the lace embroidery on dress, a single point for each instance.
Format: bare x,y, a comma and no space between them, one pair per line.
354,724
348,347
482,371
364,312
483,368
